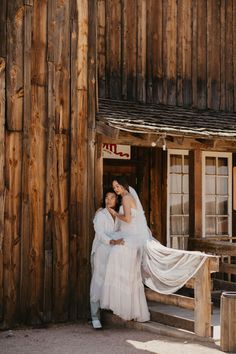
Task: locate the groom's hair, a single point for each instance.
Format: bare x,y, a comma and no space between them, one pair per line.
105,192
122,181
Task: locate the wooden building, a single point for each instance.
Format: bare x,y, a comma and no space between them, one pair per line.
159,76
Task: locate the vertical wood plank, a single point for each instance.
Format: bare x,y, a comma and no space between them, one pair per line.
79,178
184,53
11,243
49,206
131,48
33,180
194,52
222,54
61,60
234,51
157,50
74,207
25,222
149,46
213,54
15,27
124,49
3,28
101,47
202,54
92,52
2,176
141,50
229,78
169,51
114,38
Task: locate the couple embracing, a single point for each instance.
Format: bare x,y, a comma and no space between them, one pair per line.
125,256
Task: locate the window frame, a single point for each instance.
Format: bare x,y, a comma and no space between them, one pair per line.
172,152
217,154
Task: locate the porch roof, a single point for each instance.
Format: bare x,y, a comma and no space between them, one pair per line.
136,117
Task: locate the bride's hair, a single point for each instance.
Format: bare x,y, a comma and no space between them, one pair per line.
122,181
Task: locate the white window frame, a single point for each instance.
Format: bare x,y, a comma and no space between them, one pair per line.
171,152
227,155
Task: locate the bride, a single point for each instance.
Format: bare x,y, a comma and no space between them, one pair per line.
142,259
123,290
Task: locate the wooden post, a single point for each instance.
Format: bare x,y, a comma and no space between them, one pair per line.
2,177
195,193
98,172
156,210
228,322
202,291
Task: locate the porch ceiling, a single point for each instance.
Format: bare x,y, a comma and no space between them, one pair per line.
135,117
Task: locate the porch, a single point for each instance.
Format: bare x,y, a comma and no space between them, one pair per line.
156,133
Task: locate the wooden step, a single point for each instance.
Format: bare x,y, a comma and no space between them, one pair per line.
173,320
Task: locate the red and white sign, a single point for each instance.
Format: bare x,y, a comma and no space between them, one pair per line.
115,151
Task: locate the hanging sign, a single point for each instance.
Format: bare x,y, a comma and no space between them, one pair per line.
115,151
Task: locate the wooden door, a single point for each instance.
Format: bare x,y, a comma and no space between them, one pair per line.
119,168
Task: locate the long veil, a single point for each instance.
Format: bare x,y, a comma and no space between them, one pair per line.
164,269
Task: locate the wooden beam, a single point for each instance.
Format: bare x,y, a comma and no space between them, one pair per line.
228,268
214,247
173,142
106,130
171,299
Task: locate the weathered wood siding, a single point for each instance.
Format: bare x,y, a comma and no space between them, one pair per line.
166,51
47,113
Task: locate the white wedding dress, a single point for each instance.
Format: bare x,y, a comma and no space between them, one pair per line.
123,290
143,259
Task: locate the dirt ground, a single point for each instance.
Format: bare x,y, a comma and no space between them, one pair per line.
82,339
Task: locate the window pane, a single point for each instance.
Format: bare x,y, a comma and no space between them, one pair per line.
210,165
222,185
175,183
185,204
175,204
222,226
222,206
186,164
176,225
185,183
175,164
222,166
210,205
186,225
174,242
210,185
210,226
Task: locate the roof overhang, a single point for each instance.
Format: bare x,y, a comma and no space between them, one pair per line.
122,120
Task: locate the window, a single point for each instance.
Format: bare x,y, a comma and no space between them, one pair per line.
217,194
178,199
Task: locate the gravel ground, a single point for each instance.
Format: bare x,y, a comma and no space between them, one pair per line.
82,339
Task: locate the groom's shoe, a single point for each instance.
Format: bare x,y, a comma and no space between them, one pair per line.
96,324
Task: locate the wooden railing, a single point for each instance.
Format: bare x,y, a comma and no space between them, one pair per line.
225,248
201,303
